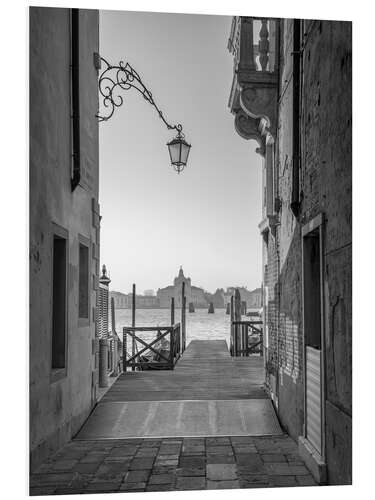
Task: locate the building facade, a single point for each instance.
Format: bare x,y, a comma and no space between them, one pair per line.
194,294
125,301
64,224
291,93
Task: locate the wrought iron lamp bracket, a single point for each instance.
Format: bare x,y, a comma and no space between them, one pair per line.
114,79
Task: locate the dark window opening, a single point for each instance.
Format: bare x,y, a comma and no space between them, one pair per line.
83,299
59,303
312,289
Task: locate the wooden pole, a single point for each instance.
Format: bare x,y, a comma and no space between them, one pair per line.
113,317
124,349
183,315
237,317
133,323
172,311
231,325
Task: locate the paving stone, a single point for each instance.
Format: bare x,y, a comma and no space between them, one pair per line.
191,483
42,490
151,443
166,463
217,441
163,469
137,476
69,491
273,457
169,450
249,481
141,463
167,457
192,462
161,479
220,450
242,440
93,458
103,475
244,448
51,479
286,469
185,471
159,487
222,485
133,486
103,487
282,480
220,459
147,452
221,472
249,460
86,468
306,481
123,452
64,465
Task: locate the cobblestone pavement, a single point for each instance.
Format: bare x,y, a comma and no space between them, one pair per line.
171,464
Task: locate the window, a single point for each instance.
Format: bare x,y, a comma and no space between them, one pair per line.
59,299
83,284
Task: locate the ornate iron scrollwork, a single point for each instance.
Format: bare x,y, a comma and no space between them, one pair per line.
115,79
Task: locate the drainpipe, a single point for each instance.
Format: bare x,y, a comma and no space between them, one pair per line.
295,202
76,170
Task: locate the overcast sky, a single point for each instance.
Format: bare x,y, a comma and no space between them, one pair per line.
154,220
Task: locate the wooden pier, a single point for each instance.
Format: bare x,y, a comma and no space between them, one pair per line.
209,393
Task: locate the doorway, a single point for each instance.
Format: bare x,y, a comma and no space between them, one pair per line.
313,326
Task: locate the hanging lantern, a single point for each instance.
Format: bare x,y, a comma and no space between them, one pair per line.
179,151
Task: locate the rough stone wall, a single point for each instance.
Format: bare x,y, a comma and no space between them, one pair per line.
325,187
326,184
59,407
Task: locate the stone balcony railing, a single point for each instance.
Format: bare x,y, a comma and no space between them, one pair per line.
253,98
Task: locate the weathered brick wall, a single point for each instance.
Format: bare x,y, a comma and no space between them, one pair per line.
326,183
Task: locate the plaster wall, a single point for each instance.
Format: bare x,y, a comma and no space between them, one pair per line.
58,407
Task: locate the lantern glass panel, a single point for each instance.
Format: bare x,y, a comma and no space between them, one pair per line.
175,151
185,149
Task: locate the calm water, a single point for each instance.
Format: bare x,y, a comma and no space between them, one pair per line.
199,325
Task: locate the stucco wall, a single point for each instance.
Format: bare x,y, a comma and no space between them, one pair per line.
58,409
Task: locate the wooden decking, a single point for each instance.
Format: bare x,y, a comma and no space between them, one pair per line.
209,393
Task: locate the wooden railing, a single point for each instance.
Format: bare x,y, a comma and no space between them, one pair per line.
247,338
152,354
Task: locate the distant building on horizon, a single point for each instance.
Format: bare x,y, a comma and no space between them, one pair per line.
253,298
125,300
193,294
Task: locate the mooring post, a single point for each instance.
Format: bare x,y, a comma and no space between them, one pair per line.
237,317
114,337
231,310
133,325
172,311
183,316
171,348
124,349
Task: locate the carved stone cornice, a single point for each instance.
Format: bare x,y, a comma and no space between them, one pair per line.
258,97
248,128
253,97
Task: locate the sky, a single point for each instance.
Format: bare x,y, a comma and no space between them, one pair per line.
153,219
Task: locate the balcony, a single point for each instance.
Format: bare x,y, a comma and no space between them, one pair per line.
253,97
